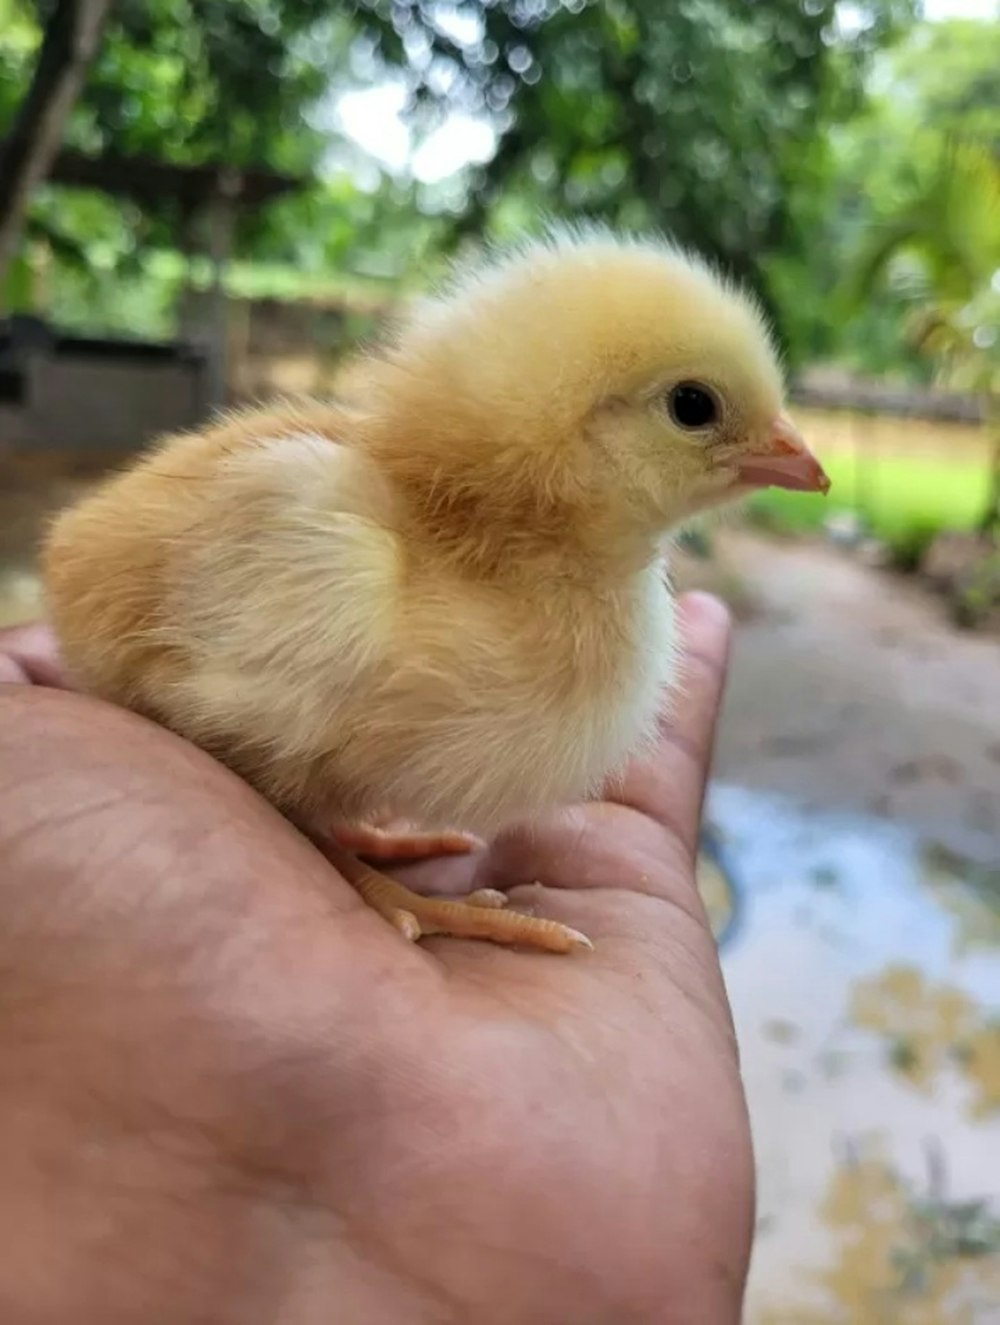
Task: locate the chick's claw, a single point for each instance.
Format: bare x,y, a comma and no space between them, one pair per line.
489,897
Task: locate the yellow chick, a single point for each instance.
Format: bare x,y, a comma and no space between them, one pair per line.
441,598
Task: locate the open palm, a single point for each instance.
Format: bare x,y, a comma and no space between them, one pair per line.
237,1095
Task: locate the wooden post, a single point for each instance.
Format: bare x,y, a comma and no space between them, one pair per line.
204,316
221,222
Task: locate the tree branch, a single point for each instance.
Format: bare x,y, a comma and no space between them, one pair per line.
71,41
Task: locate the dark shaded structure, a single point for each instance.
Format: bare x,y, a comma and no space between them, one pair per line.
208,199
148,182
93,396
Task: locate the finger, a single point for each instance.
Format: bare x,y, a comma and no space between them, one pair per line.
30,655
11,672
669,784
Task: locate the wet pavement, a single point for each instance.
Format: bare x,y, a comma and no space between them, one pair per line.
849,688
864,970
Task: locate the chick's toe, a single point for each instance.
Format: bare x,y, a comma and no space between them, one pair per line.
481,915
394,841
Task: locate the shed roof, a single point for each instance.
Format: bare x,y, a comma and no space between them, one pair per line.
147,181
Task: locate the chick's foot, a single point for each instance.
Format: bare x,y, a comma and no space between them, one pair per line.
395,841
479,915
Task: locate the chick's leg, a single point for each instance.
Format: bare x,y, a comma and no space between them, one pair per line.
480,915
393,840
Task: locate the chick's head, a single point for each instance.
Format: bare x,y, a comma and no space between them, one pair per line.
596,369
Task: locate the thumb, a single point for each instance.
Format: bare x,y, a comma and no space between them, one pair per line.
669,784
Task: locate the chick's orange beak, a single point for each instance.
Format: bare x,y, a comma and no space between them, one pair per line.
784,462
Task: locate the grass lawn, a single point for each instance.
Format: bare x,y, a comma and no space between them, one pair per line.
900,496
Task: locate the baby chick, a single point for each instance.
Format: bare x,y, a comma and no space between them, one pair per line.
441,597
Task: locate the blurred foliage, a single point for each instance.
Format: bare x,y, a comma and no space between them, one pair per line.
702,117
940,251
976,600
948,74
191,82
200,80
915,200
939,248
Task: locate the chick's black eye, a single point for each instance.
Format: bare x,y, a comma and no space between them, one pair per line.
692,406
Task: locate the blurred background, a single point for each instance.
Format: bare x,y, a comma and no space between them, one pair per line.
204,202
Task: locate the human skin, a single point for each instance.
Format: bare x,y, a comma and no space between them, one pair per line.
230,1092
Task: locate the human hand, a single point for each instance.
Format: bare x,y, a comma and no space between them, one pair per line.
233,1094
29,656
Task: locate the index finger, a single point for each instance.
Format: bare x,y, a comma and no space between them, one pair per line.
668,785
29,655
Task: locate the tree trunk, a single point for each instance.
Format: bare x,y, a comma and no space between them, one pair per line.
72,37
990,523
